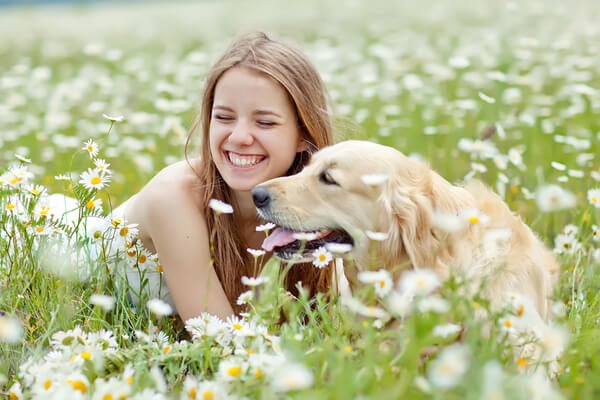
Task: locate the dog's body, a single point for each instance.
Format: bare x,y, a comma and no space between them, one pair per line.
356,187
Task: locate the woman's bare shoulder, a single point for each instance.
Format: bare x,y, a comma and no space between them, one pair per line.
174,190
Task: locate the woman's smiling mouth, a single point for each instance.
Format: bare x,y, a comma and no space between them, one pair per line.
242,160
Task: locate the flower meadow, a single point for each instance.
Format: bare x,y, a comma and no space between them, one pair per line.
95,99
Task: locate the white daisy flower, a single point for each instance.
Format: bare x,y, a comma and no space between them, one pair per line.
474,217
381,281
446,330
91,147
419,282
448,222
159,308
321,257
292,376
265,227
256,252
377,236
231,369
220,207
558,166
338,248
102,165
11,330
449,367
254,281
554,198
92,179
114,118
593,196
245,298
486,98
103,300
306,236
566,244
595,233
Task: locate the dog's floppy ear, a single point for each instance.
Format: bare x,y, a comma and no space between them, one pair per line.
408,202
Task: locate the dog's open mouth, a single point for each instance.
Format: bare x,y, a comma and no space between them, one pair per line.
288,244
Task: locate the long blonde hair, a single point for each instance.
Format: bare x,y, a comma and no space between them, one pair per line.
295,73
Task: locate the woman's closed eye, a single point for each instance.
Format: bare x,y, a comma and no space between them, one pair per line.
223,117
266,123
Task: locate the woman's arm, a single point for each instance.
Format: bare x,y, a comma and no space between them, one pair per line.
169,216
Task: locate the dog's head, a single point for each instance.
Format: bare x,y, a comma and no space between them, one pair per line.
348,190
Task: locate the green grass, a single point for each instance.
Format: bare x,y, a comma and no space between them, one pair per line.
416,77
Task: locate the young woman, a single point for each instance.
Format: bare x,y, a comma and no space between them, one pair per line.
263,112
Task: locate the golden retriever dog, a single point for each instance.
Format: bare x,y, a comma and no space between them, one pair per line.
354,188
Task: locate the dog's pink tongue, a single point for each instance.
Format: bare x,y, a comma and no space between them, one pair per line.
279,237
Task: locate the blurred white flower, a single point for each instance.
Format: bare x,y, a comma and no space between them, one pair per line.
377,236
419,282
381,281
554,198
291,376
593,196
446,330
265,227
11,330
254,281
102,300
449,367
114,118
220,207
159,307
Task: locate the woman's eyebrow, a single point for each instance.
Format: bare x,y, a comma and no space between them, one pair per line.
222,108
267,112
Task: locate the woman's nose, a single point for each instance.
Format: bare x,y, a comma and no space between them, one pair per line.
241,134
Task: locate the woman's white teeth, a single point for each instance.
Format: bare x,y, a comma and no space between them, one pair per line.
244,161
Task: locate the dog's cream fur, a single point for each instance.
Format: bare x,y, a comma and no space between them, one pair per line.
501,255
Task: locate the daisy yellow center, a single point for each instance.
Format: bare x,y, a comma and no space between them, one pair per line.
166,349
39,229
124,231
348,349
116,222
237,327
381,284
420,283
35,191
521,310
95,180
142,258
131,252
13,396
192,393
508,323
234,371
90,148
107,396
249,351
14,180
586,217
258,373
594,200
44,210
130,380
10,206
474,219
159,268
322,257
208,395
521,362
86,355
47,384
90,204
79,385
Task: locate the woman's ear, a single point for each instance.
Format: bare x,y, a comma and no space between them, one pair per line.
303,145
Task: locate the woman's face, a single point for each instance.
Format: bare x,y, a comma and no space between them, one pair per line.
254,134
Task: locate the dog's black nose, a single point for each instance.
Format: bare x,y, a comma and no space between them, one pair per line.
261,197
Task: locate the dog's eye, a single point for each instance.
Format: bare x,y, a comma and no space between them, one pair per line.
326,178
